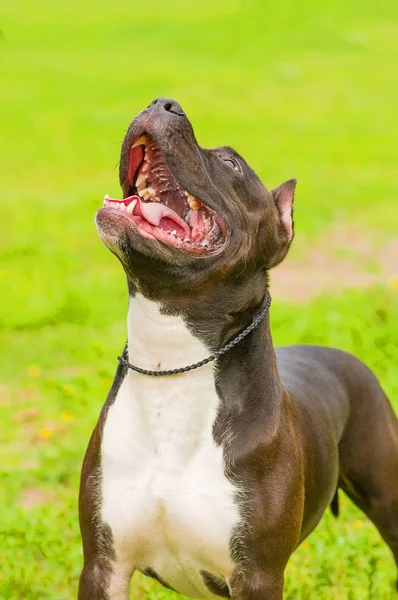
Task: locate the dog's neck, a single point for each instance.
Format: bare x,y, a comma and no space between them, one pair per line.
246,380
179,411
160,341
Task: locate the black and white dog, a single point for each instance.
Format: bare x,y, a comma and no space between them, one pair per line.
209,478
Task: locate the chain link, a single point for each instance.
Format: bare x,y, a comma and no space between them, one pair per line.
256,321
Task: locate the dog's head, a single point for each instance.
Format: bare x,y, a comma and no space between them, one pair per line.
190,214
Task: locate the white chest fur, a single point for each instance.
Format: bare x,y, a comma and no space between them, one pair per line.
164,492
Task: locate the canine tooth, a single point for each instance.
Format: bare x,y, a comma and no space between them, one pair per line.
193,202
187,240
145,167
130,207
142,140
141,181
151,191
174,232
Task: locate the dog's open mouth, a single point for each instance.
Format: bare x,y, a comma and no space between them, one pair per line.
160,209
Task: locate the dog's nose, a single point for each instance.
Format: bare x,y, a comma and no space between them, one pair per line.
166,105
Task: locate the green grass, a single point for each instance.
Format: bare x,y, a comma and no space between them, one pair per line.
302,89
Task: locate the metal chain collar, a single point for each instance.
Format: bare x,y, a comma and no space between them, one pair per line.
256,321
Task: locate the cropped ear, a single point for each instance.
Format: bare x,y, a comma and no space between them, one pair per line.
283,196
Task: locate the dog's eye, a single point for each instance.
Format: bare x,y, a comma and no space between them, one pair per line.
232,163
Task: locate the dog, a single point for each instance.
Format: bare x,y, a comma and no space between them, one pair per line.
216,455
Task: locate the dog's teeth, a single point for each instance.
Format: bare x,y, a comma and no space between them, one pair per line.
151,191
141,181
141,141
145,167
187,241
193,202
174,232
130,207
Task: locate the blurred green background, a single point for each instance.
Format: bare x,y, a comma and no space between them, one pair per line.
302,89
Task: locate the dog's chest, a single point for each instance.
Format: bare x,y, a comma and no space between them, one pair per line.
165,495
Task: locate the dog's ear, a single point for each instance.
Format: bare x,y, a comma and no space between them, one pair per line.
283,196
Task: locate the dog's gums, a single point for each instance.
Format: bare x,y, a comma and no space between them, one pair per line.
160,209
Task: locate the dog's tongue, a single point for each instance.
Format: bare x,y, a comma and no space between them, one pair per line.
155,212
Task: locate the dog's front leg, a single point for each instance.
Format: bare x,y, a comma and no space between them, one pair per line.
104,576
263,549
102,580
257,585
